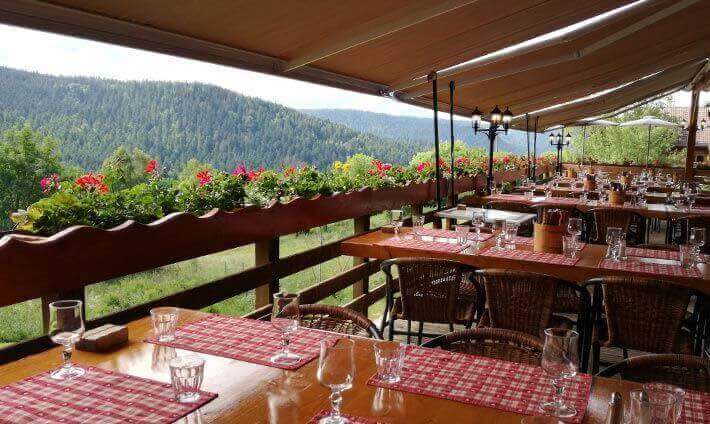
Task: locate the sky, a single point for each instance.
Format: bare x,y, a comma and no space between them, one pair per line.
54,54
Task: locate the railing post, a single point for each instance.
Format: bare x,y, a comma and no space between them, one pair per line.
361,225
265,252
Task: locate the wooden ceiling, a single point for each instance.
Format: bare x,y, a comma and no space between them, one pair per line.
387,47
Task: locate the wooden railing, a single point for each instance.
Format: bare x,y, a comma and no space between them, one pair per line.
61,266
614,169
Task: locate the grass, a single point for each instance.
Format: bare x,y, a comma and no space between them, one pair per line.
23,321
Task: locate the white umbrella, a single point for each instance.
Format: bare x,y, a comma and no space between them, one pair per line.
591,122
649,121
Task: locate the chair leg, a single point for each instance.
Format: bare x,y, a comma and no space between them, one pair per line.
451,327
625,352
420,336
409,331
596,350
384,314
391,325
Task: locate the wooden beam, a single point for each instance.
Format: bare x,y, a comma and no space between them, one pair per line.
572,55
361,225
692,134
411,14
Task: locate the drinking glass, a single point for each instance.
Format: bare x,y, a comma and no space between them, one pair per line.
660,408
417,224
397,219
285,317
478,222
529,194
652,389
696,238
389,357
499,231
559,361
584,196
186,374
511,231
66,326
574,227
687,258
569,246
462,234
612,237
336,370
164,321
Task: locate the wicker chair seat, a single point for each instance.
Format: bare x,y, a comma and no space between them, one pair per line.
688,372
336,319
556,321
683,343
494,343
465,311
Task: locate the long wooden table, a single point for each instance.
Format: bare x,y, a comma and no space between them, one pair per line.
250,393
586,268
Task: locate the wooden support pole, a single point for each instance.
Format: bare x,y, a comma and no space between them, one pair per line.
265,252
361,225
692,134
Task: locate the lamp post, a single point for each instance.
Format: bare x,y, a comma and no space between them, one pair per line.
499,122
559,141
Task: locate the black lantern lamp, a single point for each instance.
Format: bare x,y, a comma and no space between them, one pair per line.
559,141
499,122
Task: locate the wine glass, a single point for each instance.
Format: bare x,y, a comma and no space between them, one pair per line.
574,227
285,317
478,222
613,234
397,219
559,361
66,326
336,371
696,238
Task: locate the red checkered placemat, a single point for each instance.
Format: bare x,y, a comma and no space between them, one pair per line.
351,418
696,407
482,381
528,241
552,201
97,396
527,255
634,265
509,197
245,340
653,253
432,232
409,242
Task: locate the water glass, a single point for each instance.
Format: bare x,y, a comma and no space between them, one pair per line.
511,231
687,256
66,326
584,196
417,224
462,234
574,226
389,357
569,246
397,219
653,389
478,221
285,317
336,371
657,409
613,234
560,362
529,194
186,374
165,320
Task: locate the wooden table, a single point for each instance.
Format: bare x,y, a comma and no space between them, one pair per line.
250,393
489,215
586,268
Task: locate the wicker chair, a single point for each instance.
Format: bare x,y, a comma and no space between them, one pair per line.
429,290
527,302
611,217
495,343
643,314
336,319
686,371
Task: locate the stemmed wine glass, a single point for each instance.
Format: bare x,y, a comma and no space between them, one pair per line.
613,236
559,361
574,227
478,221
397,220
336,371
285,317
66,326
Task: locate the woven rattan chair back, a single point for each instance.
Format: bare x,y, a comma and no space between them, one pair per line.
609,217
337,319
429,288
686,371
644,314
519,301
495,343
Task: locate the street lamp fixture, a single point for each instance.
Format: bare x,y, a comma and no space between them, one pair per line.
701,127
499,122
559,141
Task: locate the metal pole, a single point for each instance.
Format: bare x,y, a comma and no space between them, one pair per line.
451,124
648,145
527,136
584,140
490,180
435,104
537,118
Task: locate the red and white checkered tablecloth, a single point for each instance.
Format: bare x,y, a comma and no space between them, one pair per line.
653,253
99,396
528,241
245,340
414,243
696,407
634,265
351,418
530,256
509,198
554,201
482,381
433,232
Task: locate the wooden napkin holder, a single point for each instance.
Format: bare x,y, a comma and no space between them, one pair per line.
590,185
616,197
548,238
626,180
104,338
571,174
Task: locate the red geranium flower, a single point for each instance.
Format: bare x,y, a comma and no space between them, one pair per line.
49,183
91,182
150,167
204,177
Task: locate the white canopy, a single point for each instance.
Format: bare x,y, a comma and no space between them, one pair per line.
650,121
